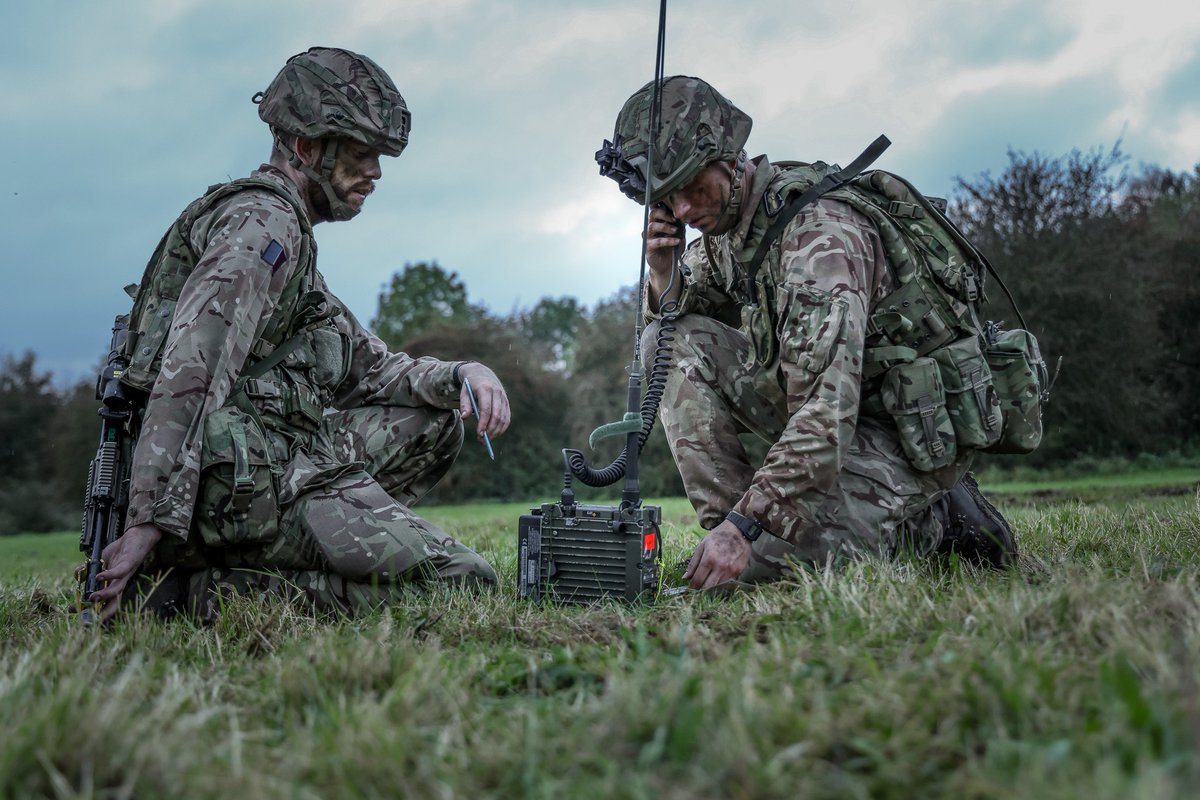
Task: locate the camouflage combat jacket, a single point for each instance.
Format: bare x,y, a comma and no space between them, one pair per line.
815,291
249,247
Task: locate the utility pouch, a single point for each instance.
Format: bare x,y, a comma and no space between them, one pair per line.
913,395
148,335
764,346
302,407
970,396
907,318
331,356
1020,378
237,502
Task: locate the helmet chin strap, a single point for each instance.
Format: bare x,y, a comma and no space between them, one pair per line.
339,209
733,208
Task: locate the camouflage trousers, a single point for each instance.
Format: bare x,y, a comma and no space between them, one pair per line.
715,393
348,539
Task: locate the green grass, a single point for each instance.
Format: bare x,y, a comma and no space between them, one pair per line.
1074,676
1169,478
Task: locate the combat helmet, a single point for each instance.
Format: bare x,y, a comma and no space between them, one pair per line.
697,126
329,93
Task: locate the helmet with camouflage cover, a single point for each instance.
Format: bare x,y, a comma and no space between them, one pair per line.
328,93
697,127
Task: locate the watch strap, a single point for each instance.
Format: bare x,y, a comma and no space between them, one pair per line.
750,528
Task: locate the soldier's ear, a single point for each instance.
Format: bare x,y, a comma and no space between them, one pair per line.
309,150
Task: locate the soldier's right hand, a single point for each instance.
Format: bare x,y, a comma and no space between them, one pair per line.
663,234
121,561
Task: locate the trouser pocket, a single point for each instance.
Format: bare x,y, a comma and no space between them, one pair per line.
970,395
913,395
237,502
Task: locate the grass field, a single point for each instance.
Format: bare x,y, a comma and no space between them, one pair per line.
1073,676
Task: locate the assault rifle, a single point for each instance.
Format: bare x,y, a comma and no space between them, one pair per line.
107,495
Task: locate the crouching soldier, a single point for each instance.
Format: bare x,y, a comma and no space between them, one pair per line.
282,446
819,321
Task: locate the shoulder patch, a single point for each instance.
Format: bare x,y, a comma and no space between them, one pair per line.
274,254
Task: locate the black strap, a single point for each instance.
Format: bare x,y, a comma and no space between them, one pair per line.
830,182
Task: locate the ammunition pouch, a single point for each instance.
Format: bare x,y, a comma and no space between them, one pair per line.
282,406
324,354
914,397
971,398
1022,384
237,503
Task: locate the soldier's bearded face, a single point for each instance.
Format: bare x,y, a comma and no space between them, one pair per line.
355,171
700,203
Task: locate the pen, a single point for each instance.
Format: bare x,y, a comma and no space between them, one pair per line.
475,409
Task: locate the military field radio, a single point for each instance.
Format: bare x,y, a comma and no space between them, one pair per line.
577,553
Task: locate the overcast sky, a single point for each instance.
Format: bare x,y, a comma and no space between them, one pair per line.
119,113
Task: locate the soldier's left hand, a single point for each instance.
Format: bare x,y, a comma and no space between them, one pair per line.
121,561
720,557
494,411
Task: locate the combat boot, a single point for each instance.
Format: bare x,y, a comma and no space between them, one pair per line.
163,594
973,528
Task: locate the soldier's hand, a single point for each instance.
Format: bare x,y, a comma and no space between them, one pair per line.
121,561
663,233
494,411
720,557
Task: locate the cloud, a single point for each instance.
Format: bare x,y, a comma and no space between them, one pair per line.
122,113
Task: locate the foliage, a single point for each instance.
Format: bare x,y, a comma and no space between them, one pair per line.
1103,265
44,457
552,327
1073,676
565,371
527,462
419,297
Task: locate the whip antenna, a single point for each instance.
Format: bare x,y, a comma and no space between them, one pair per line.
580,553
640,414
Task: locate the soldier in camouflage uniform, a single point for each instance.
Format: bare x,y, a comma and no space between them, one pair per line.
780,356
282,445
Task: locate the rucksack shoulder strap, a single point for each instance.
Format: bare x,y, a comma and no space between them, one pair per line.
830,182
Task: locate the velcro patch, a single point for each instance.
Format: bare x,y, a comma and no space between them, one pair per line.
274,254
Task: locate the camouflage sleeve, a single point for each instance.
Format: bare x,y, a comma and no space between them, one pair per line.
380,377
830,257
222,310
704,290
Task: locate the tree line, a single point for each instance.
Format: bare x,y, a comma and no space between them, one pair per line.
1102,259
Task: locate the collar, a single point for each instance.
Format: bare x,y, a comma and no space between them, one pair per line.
276,175
741,238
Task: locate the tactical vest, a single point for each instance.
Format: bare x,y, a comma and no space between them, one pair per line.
171,264
291,373
949,381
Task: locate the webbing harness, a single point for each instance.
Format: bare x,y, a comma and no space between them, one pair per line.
830,182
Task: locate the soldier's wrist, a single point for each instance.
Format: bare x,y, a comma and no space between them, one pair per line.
750,528
457,373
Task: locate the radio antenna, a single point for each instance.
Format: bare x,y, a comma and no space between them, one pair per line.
639,415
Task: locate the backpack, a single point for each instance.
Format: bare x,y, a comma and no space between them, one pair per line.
948,380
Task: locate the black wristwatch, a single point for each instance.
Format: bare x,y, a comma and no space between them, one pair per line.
749,527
